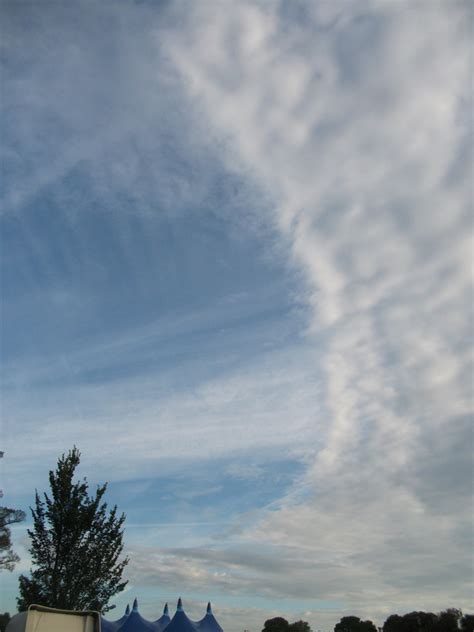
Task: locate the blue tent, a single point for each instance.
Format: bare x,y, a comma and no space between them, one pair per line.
209,622
163,621
134,622
180,621
111,626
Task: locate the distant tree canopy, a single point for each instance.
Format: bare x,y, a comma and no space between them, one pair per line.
467,623
354,624
450,620
279,624
299,626
411,622
76,545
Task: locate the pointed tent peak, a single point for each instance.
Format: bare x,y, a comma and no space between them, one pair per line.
209,608
179,607
165,609
127,610
135,605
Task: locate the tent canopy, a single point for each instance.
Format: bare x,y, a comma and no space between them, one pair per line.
134,622
209,622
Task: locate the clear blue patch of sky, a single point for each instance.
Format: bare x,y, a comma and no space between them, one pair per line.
67,282
212,494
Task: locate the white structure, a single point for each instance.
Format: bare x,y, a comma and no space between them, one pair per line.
42,619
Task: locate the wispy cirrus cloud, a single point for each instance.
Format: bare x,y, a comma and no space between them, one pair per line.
208,419
335,137
361,149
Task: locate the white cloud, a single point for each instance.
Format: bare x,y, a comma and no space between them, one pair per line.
354,122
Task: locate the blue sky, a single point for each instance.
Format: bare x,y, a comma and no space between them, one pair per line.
236,273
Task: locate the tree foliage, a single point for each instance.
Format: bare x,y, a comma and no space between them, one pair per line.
8,558
416,621
467,623
354,624
279,624
450,620
299,626
76,545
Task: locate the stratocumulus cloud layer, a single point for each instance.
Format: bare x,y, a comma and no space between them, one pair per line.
238,258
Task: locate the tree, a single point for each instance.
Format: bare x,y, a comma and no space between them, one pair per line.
354,624
277,624
76,545
299,626
394,623
467,623
8,558
419,621
448,620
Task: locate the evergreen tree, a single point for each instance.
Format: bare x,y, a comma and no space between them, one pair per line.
76,545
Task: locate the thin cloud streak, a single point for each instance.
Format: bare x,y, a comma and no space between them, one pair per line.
210,420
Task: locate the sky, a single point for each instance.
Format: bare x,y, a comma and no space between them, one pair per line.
236,250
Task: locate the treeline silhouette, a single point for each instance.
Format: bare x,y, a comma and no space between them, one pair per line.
450,620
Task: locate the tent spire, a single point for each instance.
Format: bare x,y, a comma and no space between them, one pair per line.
179,607
127,610
165,609
209,609
135,605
